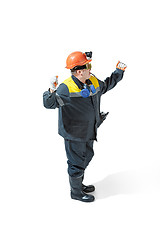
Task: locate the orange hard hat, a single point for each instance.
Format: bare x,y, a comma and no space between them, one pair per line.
76,59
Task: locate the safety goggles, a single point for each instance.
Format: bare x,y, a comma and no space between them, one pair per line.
87,66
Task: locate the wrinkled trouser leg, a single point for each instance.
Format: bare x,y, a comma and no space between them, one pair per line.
79,155
89,152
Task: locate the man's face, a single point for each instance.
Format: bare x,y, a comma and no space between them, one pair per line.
86,74
87,71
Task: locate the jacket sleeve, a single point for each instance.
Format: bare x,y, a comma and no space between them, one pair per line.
56,99
111,82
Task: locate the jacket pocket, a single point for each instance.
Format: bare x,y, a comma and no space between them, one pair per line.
77,129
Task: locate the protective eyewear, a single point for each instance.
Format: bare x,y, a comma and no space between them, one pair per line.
87,66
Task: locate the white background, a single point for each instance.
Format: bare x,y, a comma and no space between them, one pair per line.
36,38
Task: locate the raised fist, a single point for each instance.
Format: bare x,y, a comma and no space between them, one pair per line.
54,83
121,66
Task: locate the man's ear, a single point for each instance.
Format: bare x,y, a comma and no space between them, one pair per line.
79,72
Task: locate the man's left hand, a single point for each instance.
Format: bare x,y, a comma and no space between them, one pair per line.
121,66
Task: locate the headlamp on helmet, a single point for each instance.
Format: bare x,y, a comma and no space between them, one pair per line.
88,55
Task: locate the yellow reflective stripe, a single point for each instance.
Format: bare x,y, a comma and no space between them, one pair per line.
72,86
94,81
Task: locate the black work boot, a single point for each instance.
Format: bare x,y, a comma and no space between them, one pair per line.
87,189
77,192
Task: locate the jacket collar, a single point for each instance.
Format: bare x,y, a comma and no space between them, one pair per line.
79,83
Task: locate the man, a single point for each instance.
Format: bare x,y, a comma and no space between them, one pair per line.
78,100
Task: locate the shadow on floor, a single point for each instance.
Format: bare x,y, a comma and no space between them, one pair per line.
128,182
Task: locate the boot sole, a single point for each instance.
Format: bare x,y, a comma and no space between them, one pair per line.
83,200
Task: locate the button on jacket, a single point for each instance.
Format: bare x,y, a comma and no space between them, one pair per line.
80,117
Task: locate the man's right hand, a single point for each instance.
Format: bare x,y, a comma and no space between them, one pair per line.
53,83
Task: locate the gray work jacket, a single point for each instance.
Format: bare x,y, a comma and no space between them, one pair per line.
80,117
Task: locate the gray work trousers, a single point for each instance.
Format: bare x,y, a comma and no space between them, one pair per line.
79,155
